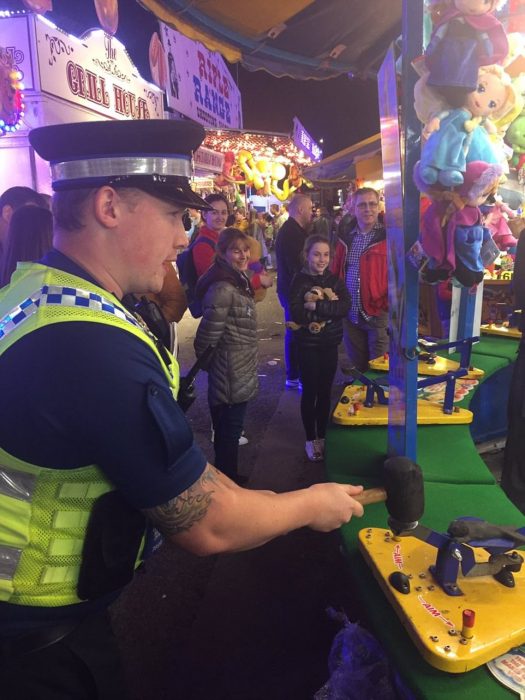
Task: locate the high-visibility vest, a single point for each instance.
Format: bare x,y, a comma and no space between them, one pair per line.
44,512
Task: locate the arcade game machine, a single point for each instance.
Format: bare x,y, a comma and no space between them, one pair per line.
438,569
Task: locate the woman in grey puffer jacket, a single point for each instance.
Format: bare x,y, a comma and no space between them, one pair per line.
229,324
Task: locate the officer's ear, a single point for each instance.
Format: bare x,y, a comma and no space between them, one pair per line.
106,206
6,213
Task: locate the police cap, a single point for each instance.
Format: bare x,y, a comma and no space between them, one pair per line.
153,155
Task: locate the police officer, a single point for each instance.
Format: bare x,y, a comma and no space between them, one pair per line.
94,449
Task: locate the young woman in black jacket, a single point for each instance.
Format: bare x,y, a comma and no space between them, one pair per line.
318,313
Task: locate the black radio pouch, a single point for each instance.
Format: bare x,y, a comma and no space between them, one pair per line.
112,542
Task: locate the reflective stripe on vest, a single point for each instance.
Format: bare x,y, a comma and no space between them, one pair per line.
63,296
44,511
44,518
46,290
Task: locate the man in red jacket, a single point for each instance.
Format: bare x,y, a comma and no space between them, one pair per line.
361,260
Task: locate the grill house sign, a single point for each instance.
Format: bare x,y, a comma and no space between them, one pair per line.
95,72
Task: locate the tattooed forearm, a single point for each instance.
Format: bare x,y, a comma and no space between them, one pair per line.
180,513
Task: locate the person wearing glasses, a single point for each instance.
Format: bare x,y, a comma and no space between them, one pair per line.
361,260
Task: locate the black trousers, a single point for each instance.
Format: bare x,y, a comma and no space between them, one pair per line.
83,665
317,368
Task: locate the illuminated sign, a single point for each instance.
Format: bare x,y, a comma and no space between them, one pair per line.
305,142
95,71
208,160
199,84
11,97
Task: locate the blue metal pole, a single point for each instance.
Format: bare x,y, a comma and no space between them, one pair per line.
403,231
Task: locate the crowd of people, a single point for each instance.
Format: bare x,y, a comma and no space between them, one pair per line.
233,252
342,257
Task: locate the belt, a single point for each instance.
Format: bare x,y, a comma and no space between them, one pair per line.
35,640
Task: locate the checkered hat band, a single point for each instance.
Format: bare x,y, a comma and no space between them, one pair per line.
52,295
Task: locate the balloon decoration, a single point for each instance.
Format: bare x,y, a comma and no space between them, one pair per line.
231,173
267,164
266,177
11,96
39,6
107,13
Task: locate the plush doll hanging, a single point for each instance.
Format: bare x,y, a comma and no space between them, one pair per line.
465,37
457,136
497,216
452,230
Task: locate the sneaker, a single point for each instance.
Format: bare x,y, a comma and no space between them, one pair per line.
243,440
312,451
292,383
319,444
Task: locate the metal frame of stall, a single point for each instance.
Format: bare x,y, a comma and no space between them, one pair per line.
400,148
401,143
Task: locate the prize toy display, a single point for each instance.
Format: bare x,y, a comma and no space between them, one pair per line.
466,37
466,102
452,228
497,216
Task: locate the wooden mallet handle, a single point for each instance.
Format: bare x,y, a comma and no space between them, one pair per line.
371,496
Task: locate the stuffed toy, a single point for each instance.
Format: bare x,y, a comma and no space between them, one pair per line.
496,217
314,294
452,230
458,136
515,137
465,37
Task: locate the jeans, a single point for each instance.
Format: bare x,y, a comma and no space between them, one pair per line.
228,422
291,349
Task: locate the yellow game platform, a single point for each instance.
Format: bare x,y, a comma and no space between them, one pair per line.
440,365
433,619
351,411
502,330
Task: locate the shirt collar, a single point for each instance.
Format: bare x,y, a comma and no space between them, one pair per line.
54,258
374,228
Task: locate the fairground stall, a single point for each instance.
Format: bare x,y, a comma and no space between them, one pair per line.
447,166
444,594
262,168
359,165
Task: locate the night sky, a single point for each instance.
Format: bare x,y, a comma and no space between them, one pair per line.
340,111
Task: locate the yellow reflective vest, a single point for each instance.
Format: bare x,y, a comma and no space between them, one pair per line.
44,512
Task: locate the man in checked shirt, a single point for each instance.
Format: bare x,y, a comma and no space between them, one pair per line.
366,274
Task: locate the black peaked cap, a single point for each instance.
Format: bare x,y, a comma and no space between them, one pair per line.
153,155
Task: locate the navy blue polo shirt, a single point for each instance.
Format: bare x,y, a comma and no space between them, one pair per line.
79,393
